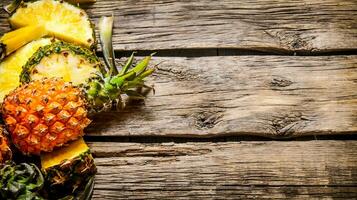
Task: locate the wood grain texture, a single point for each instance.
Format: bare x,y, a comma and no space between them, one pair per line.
231,170
272,96
273,26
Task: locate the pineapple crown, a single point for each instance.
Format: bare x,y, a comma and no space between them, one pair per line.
112,83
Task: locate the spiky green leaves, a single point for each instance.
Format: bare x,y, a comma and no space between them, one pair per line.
106,35
21,182
102,92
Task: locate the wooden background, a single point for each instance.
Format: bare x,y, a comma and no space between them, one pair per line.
254,100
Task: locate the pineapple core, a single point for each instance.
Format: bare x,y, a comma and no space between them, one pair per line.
74,149
70,67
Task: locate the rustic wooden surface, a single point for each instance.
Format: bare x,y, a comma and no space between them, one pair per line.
273,26
229,170
272,96
243,94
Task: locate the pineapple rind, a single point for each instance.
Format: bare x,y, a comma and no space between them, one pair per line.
70,175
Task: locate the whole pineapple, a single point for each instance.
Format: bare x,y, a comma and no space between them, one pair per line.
45,113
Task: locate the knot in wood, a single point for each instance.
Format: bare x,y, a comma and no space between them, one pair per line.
280,82
206,119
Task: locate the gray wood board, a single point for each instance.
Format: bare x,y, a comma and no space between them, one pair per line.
272,26
272,96
246,170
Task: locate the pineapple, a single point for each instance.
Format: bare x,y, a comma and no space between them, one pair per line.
5,151
66,170
60,59
11,67
62,20
13,40
46,113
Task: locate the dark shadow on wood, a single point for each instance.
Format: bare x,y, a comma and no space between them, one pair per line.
158,139
231,52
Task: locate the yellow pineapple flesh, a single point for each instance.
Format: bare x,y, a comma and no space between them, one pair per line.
44,114
11,67
15,39
67,65
73,150
61,19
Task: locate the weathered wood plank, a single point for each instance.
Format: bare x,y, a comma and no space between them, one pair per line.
272,96
273,26
231,170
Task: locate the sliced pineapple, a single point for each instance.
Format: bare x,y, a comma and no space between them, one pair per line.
13,40
60,59
69,152
68,169
11,67
63,20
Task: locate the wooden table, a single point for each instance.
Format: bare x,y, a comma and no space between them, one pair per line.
254,100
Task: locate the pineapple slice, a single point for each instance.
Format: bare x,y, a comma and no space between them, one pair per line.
11,67
13,40
61,19
60,59
68,169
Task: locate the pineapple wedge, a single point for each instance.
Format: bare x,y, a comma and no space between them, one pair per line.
11,67
13,40
63,20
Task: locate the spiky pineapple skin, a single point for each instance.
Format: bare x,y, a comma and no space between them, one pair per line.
5,151
44,114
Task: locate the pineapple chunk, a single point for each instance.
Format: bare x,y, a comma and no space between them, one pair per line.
61,19
11,67
15,39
